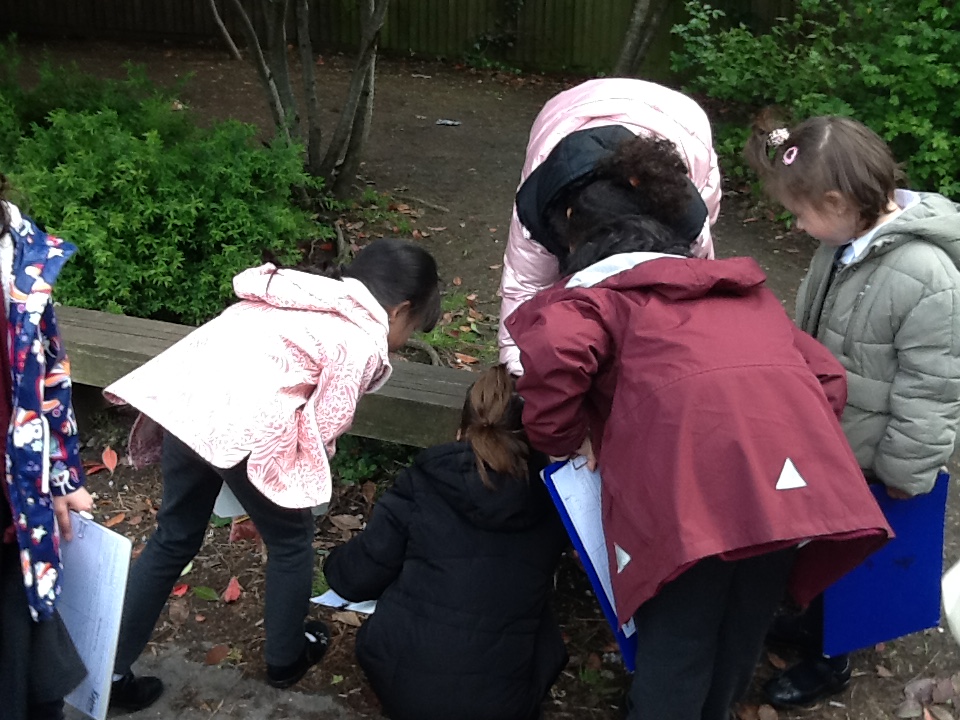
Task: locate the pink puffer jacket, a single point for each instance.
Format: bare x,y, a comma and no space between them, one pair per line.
640,106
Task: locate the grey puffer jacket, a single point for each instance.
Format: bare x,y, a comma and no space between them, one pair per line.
892,318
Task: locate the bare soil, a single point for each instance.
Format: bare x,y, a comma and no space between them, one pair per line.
461,179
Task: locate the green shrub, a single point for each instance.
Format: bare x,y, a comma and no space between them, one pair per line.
891,64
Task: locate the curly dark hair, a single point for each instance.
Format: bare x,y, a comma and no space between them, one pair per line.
629,233
4,217
645,176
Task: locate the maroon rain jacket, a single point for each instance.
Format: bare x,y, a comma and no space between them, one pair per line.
713,418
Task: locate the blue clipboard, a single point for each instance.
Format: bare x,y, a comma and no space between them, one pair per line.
575,491
895,591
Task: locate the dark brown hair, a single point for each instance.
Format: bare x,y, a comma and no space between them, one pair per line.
4,217
493,425
824,154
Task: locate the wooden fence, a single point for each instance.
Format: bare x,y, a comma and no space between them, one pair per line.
550,35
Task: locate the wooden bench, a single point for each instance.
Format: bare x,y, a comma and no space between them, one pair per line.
420,405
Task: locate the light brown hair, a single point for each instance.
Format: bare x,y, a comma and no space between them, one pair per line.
492,423
825,154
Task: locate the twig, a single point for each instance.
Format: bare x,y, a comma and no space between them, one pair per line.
425,203
223,31
425,347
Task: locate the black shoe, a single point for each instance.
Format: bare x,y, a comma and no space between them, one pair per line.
131,693
808,681
283,676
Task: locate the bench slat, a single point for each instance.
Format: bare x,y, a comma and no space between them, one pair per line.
420,405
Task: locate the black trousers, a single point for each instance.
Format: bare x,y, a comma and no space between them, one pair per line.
700,638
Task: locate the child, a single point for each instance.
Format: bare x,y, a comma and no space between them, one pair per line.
44,479
602,113
460,554
883,295
256,399
725,472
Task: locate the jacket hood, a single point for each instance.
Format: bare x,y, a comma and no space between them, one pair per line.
932,218
674,277
451,469
298,290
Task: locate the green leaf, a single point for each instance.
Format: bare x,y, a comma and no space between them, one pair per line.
206,593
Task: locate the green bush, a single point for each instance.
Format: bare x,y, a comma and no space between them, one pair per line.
891,64
164,212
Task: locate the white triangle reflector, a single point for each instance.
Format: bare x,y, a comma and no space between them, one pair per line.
623,557
790,479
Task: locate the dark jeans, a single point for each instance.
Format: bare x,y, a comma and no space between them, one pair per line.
190,488
700,638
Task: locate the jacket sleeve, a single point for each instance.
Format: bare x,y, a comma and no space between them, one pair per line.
924,396
365,566
528,268
829,371
66,470
562,345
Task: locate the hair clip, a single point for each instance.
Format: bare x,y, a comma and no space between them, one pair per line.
778,137
790,155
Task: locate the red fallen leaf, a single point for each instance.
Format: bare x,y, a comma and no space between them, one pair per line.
233,591
109,457
466,359
369,491
115,520
179,590
243,529
135,520
217,654
93,468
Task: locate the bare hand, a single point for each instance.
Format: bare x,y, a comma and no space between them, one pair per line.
79,500
898,494
586,450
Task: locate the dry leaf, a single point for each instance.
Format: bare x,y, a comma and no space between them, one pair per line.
217,654
135,520
766,712
200,618
179,590
910,708
748,712
243,529
109,457
940,713
778,662
496,267
466,359
369,491
347,617
943,692
115,520
233,591
457,281
884,672
179,611
594,662
93,468
346,522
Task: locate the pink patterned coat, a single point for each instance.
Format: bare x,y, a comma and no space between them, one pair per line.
643,108
274,379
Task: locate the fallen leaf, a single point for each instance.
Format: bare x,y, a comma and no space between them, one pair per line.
200,618
748,712
593,661
346,522
920,690
179,611
466,359
436,229
943,692
233,591
497,266
766,712
457,281
115,520
336,679
778,662
93,468
910,708
243,529
186,570
135,520
179,590
369,491
347,617
109,457
938,712
206,593
217,654
884,672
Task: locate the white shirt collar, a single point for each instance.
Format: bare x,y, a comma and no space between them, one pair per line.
855,250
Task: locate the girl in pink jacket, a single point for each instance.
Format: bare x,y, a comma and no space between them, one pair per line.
643,108
256,399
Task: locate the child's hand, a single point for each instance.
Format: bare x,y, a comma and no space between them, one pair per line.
79,500
586,450
898,494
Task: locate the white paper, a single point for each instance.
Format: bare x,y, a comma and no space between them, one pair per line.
95,567
950,586
579,489
331,599
227,505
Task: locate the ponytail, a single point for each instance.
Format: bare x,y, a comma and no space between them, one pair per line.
764,144
492,423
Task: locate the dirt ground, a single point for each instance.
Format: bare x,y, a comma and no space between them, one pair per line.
462,178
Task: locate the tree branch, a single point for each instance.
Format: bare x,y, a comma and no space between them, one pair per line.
632,39
314,134
223,31
266,76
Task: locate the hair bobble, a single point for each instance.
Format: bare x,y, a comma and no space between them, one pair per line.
790,155
778,137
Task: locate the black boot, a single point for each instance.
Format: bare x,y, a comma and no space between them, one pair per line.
131,693
808,681
283,676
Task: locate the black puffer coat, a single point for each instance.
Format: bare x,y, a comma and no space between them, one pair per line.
463,575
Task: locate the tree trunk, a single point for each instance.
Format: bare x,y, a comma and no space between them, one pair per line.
644,23
223,31
276,17
314,134
343,185
266,76
372,22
